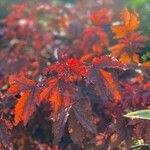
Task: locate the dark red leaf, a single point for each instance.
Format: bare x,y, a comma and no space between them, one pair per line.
59,124
105,83
4,135
83,113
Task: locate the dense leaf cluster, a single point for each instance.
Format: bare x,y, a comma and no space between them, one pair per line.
65,85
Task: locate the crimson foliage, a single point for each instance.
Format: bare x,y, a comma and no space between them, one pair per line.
59,73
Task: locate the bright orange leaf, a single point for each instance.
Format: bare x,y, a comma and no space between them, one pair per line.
26,104
130,42
130,23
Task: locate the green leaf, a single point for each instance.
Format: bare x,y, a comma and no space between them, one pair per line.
141,114
134,4
146,57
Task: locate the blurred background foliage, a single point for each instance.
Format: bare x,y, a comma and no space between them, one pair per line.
4,4
141,6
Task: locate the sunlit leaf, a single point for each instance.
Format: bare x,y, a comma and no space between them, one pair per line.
141,114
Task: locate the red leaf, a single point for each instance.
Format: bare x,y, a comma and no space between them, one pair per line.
29,99
58,93
95,36
101,17
4,135
59,124
68,69
84,115
104,82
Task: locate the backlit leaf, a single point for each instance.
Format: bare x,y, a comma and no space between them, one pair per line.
141,114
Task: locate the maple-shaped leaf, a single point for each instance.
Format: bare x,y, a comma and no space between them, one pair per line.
104,81
130,42
67,69
29,97
130,23
101,17
59,88
128,48
58,93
